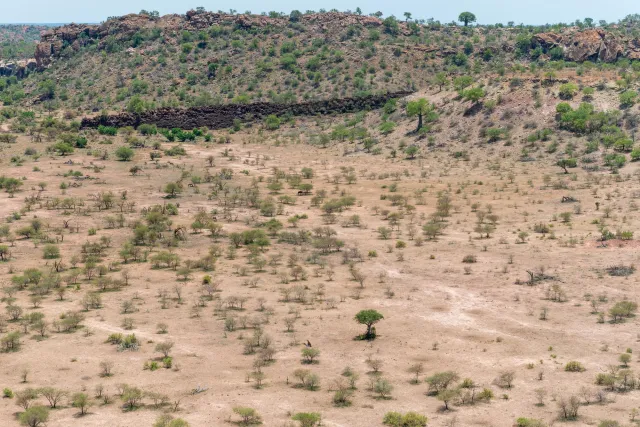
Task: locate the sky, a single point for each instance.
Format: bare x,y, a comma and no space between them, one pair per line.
487,11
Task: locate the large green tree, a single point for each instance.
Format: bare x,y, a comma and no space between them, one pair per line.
467,18
368,318
420,107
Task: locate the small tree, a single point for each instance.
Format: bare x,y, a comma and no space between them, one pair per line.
420,107
411,151
124,154
172,189
416,369
131,396
53,395
368,318
106,366
467,18
272,122
51,252
164,348
309,355
295,16
62,148
410,419
25,397
166,420
81,401
440,80
383,387
307,419
11,185
567,163
4,252
505,379
446,396
248,415
441,381
474,94
568,90
34,417
625,358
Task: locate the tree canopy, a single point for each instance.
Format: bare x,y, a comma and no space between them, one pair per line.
467,18
368,318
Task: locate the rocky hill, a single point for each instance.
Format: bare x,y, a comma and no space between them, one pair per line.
142,61
17,48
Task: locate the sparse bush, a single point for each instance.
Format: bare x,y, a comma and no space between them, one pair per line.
124,154
34,416
574,366
310,354
307,419
248,415
410,419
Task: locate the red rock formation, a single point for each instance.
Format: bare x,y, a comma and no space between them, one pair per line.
580,46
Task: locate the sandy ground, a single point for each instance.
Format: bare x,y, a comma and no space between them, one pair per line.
478,322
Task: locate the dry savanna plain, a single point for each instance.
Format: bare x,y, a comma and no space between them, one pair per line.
491,284
463,256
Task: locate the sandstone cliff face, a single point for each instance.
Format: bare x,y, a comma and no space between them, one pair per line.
17,68
590,45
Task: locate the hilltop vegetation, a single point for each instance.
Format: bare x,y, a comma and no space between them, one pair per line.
204,58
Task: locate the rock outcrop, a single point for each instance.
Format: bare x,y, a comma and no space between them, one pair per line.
17,68
593,44
222,116
589,45
74,35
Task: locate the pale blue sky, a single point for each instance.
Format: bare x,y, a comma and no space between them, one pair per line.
487,11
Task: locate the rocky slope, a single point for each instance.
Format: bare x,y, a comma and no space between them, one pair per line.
17,46
578,45
124,27
204,58
590,45
223,116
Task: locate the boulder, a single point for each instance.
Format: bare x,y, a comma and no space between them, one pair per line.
548,40
633,49
7,68
579,46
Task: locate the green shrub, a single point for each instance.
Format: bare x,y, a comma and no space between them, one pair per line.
107,130
146,129
272,122
124,154
410,419
81,142
51,252
34,416
167,362
469,259
574,366
628,98
62,148
615,160
249,415
529,422
568,90
115,338
307,419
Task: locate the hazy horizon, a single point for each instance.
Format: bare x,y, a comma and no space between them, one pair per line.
43,12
